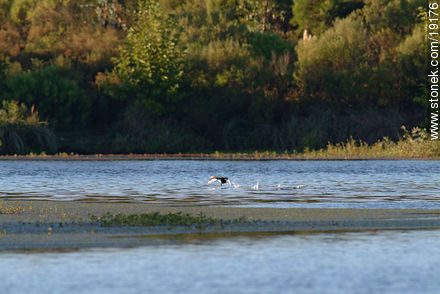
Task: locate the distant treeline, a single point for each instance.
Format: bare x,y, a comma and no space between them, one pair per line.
202,75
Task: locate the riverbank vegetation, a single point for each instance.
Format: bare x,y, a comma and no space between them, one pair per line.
158,219
21,131
150,76
414,144
17,209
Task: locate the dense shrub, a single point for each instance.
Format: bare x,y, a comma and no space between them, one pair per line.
365,58
150,65
170,76
21,131
335,67
316,16
56,92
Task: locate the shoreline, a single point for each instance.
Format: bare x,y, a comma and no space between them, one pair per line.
45,224
202,156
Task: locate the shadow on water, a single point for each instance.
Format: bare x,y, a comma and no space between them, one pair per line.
207,238
243,239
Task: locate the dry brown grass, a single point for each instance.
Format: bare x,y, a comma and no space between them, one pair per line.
413,144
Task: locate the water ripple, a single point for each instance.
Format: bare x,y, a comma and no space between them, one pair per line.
381,183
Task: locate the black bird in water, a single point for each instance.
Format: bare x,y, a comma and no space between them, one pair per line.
222,180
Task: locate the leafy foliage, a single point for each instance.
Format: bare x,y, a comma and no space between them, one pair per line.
22,132
202,75
56,92
361,59
317,16
150,65
332,67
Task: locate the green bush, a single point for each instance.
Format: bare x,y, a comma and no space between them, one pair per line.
141,131
396,15
151,62
21,132
334,67
56,92
265,44
215,74
317,16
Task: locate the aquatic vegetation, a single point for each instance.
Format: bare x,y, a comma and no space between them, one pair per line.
42,212
63,214
157,219
11,209
48,211
413,144
151,219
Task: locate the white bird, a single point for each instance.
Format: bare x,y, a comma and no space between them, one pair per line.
279,187
222,180
255,187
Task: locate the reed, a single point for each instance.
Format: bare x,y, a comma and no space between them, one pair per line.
413,144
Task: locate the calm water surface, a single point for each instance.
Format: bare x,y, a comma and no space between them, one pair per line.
363,262
374,184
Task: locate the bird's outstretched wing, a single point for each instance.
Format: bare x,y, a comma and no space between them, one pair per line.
210,181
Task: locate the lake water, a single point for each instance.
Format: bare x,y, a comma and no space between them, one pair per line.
347,262
370,184
358,262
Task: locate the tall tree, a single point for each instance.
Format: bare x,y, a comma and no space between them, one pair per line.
318,15
151,63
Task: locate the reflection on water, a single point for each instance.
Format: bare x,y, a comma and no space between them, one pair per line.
362,262
377,183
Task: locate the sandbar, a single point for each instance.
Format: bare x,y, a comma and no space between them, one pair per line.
42,224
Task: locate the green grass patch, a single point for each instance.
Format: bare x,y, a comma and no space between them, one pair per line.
157,219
